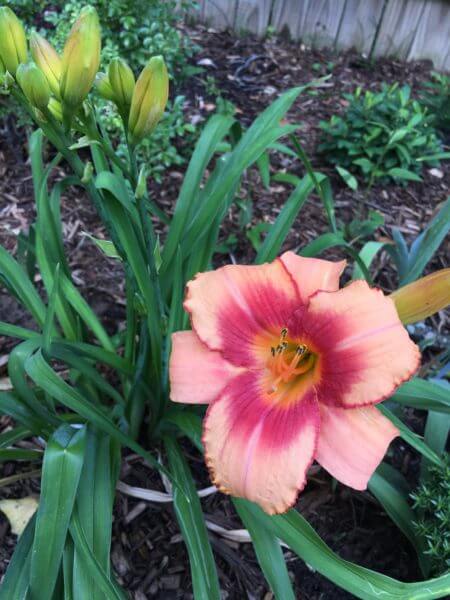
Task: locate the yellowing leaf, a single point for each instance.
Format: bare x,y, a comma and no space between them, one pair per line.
19,512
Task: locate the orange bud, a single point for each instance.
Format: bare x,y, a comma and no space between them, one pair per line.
424,297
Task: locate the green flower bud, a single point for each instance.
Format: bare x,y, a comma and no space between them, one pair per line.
47,59
55,109
81,59
13,43
34,85
149,99
122,82
88,172
103,87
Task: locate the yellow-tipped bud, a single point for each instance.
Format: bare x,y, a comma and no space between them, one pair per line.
103,86
34,85
122,81
13,43
47,59
149,99
81,59
55,109
421,299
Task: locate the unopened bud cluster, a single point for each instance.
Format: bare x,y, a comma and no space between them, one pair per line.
58,85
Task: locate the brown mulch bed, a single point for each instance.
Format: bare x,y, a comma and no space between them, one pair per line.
147,553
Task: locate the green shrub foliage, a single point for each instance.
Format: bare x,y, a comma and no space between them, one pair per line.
432,506
383,135
436,97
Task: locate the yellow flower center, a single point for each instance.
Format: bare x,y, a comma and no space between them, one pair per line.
288,361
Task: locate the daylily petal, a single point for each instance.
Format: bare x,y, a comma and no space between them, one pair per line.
240,310
312,274
197,374
352,443
259,449
364,352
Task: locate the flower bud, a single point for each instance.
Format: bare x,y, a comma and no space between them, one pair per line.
81,59
47,59
122,82
13,43
422,298
103,86
55,109
149,99
34,85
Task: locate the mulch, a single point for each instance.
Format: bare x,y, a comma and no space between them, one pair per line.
148,555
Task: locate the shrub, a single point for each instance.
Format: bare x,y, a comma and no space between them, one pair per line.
436,98
384,135
432,506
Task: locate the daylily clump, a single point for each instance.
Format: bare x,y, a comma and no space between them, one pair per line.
291,367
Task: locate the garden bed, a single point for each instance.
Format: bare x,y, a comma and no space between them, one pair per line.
148,554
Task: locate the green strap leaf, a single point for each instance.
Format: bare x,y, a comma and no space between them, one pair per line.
295,531
409,436
190,518
420,393
16,280
46,378
392,491
16,582
213,132
268,552
96,489
63,461
279,230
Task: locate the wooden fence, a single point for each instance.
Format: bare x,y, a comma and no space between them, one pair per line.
407,29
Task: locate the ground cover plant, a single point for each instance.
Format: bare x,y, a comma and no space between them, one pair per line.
382,135
86,413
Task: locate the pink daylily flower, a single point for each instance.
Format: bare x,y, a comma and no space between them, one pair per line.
291,367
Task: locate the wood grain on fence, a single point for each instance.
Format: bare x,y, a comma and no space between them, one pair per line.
410,29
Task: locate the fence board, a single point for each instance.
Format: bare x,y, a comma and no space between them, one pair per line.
433,34
289,14
359,24
253,16
398,30
411,29
320,24
220,14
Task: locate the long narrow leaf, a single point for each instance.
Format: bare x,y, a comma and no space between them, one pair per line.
61,472
268,552
192,524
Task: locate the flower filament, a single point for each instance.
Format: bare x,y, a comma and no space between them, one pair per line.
288,360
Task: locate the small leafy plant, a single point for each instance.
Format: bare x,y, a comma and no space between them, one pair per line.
381,136
432,507
436,98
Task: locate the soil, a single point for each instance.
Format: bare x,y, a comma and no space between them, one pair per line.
148,555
